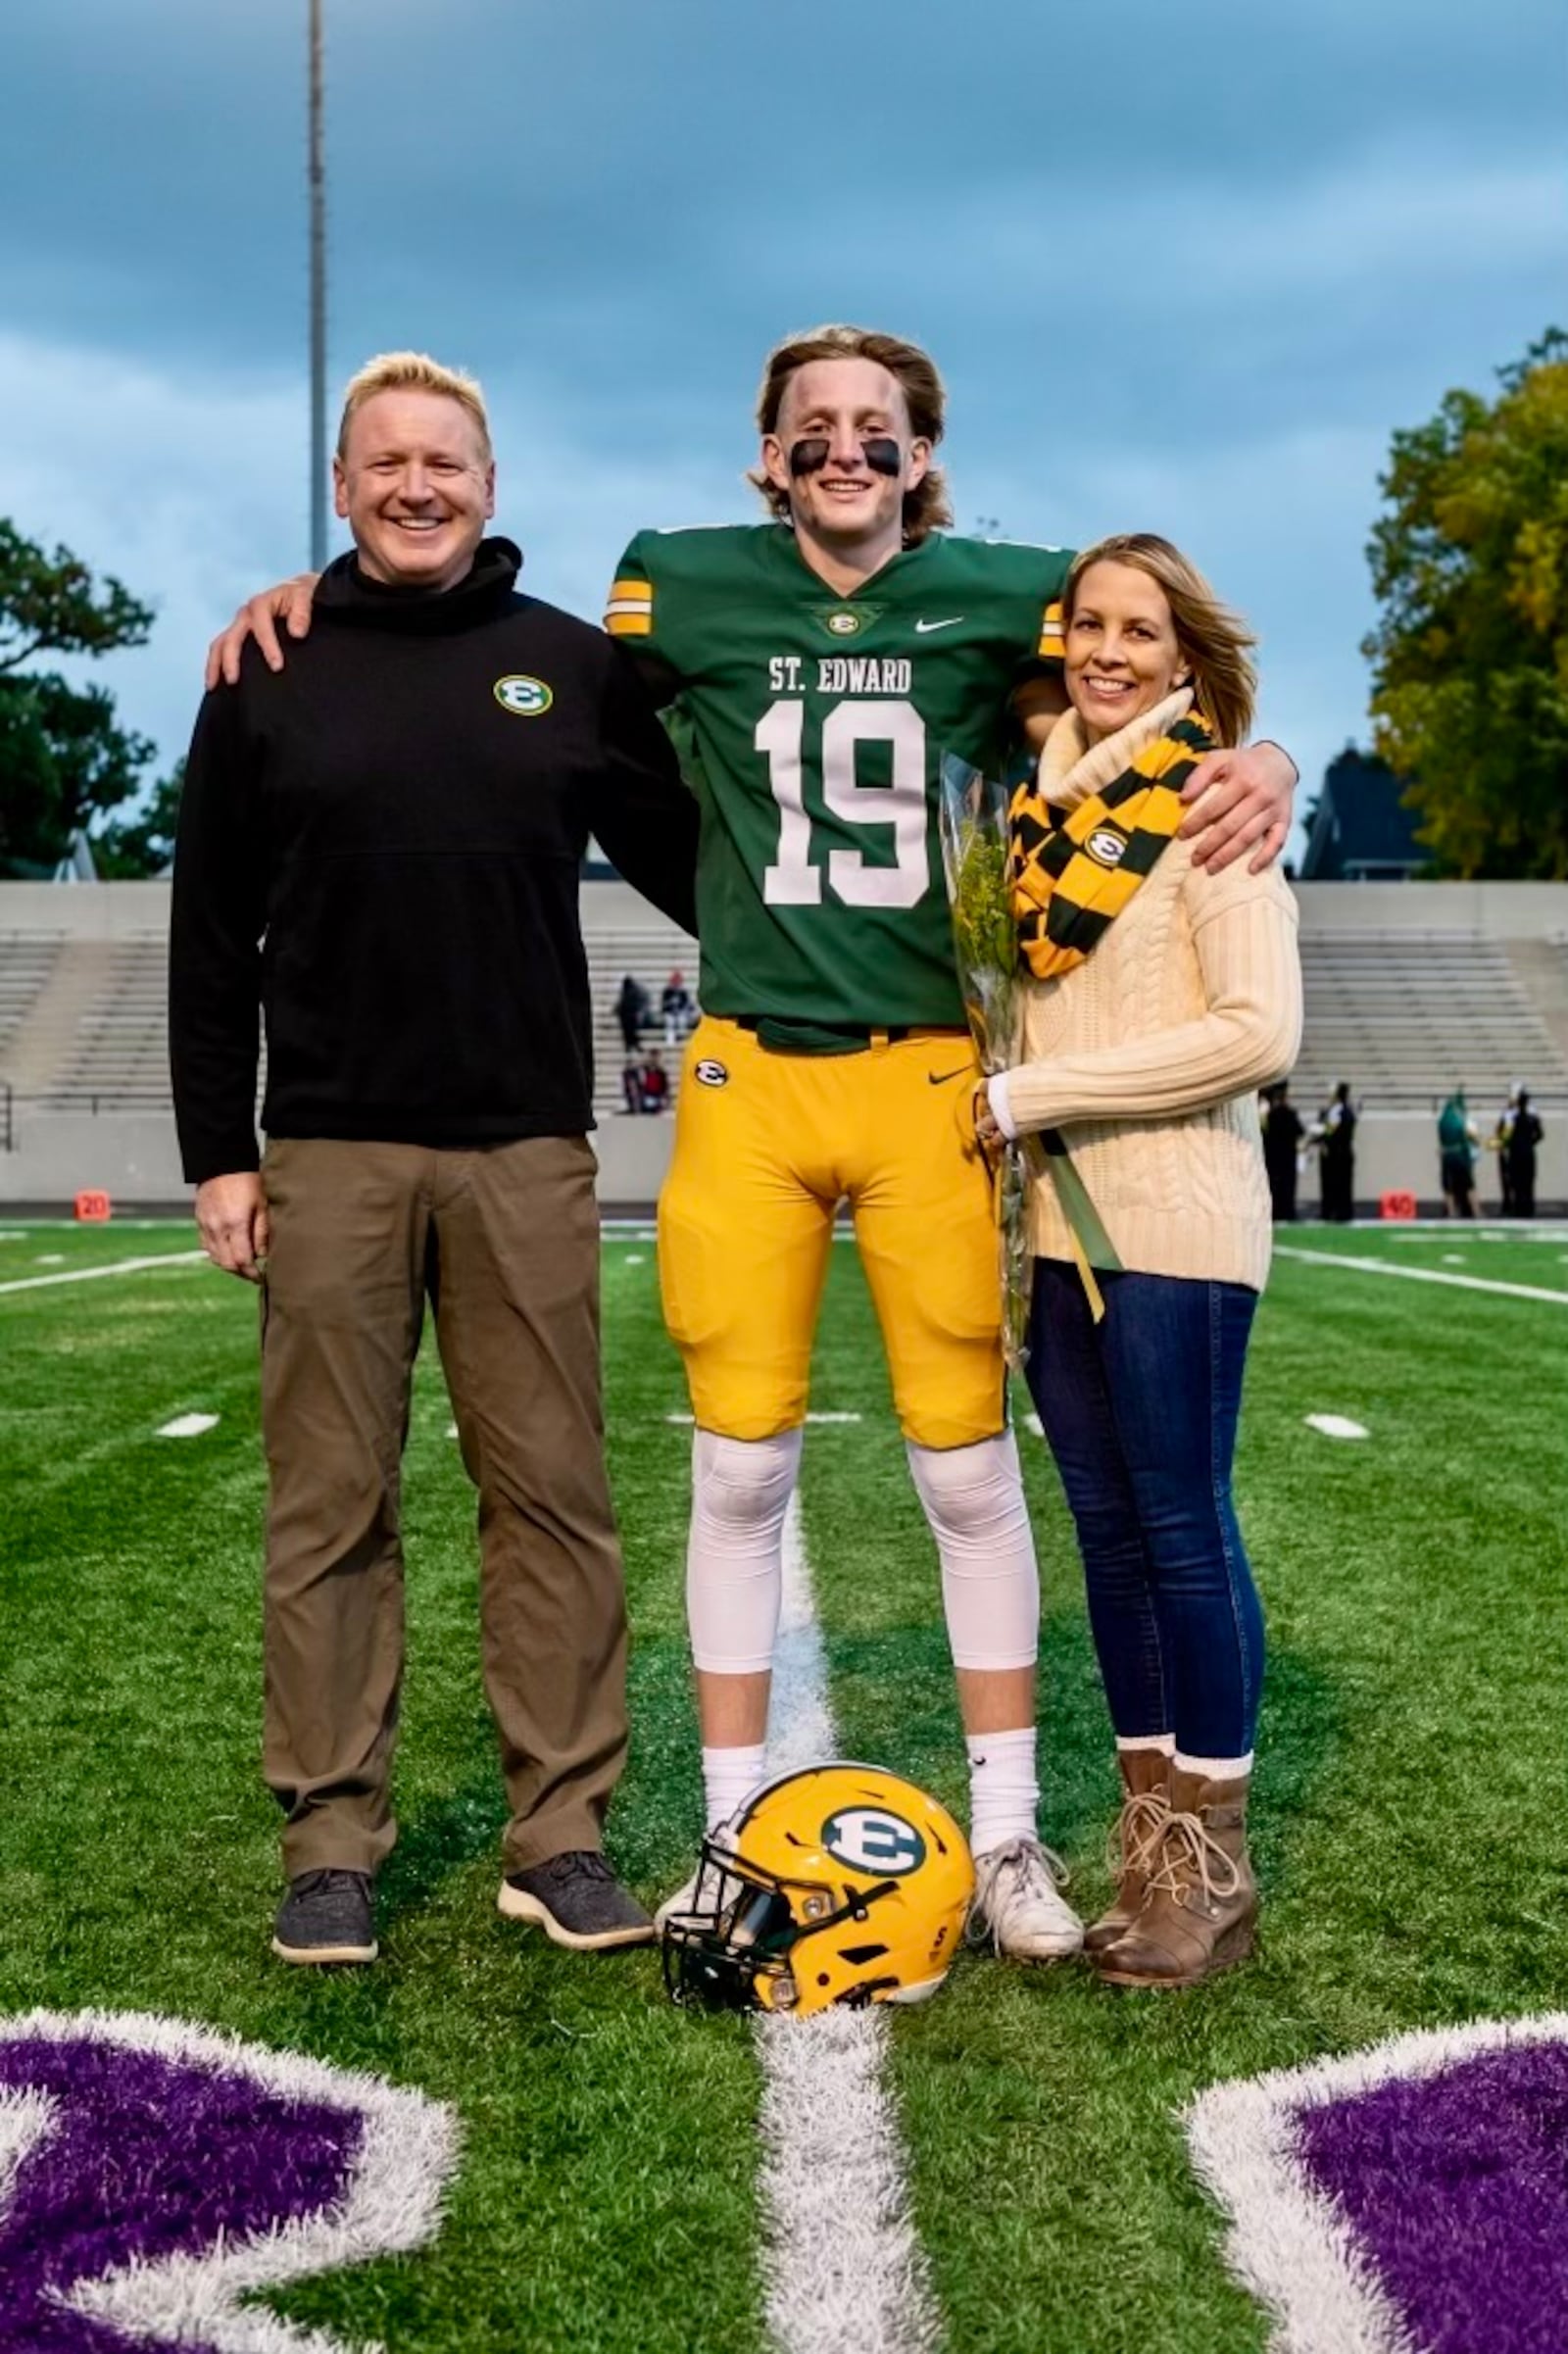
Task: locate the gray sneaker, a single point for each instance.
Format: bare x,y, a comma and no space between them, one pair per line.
326,1917
576,1900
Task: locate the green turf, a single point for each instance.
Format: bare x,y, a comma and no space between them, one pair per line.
1535,1256
606,2171
1411,1762
1412,1756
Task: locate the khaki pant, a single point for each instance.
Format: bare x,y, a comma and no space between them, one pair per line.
506,1245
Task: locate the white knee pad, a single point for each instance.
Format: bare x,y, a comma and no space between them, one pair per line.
973,1499
740,1488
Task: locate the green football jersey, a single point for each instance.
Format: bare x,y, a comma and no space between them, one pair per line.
818,722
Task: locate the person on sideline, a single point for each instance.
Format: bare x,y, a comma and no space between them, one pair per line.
1524,1139
1165,997
1283,1131
1334,1137
819,662
380,848
1456,1156
1497,1142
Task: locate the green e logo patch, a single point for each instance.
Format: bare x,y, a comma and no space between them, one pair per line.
526,697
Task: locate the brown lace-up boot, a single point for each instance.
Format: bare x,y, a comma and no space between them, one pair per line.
1201,1904
1133,1836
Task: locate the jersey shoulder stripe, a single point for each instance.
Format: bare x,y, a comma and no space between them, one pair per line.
629,613
1052,646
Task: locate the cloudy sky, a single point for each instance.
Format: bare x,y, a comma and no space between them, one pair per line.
1186,264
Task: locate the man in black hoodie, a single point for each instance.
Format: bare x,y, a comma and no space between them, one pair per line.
379,849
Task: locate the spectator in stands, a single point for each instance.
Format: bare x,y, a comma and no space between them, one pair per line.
631,1085
1283,1131
392,813
653,1082
1456,1156
1524,1137
1334,1137
1497,1142
631,1013
676,1008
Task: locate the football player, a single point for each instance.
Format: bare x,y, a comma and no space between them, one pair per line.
820,661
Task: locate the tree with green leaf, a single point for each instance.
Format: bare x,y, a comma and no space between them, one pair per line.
128,848
65,761
1470,655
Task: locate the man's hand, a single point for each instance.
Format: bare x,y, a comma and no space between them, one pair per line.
231,1217
257,619
1239,800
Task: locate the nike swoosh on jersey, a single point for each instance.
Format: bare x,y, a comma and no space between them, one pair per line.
923,629
942,1078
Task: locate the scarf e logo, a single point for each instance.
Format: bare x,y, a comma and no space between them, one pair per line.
1072,875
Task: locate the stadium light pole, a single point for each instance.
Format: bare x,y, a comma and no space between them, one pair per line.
317,196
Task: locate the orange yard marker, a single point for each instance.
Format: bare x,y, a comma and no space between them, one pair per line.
93,1210
1397,1206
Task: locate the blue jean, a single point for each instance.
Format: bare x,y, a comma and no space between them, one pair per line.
1141,1413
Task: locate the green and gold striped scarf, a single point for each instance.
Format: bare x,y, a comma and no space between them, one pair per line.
1072,873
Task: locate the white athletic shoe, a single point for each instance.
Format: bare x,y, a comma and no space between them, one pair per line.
1018,1905
699,1889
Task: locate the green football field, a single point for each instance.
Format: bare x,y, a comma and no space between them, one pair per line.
1408,1813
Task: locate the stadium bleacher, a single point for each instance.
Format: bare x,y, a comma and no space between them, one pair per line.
27,961
1411,989
1407,1016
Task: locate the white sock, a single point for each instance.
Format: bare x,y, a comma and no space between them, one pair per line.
1213,1769
729,1777
1004,1793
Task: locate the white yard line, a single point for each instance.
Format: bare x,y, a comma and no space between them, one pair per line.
841,2265
1384,1267
120,1267
188,1426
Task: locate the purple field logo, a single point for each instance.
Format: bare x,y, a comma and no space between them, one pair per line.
1409,2199
152,2175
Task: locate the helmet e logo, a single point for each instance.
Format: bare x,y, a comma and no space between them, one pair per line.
525,697
1107,845
870,1839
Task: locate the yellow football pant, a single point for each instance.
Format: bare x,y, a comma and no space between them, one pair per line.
766,1146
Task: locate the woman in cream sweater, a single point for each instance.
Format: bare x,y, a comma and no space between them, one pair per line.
1166,997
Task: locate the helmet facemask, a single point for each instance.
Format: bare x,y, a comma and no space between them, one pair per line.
741,1945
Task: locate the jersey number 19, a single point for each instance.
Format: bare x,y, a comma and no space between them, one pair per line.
791,881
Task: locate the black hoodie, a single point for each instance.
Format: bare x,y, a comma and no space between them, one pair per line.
380,845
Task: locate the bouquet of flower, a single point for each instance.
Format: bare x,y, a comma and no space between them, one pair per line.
973,814
973,821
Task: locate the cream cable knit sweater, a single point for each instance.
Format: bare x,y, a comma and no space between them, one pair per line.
1148,1055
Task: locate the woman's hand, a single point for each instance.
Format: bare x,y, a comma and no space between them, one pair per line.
994,1124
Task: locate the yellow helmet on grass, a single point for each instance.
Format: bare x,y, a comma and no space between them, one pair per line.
840,1884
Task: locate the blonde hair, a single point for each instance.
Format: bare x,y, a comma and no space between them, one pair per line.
915,373
413,372
1214,643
